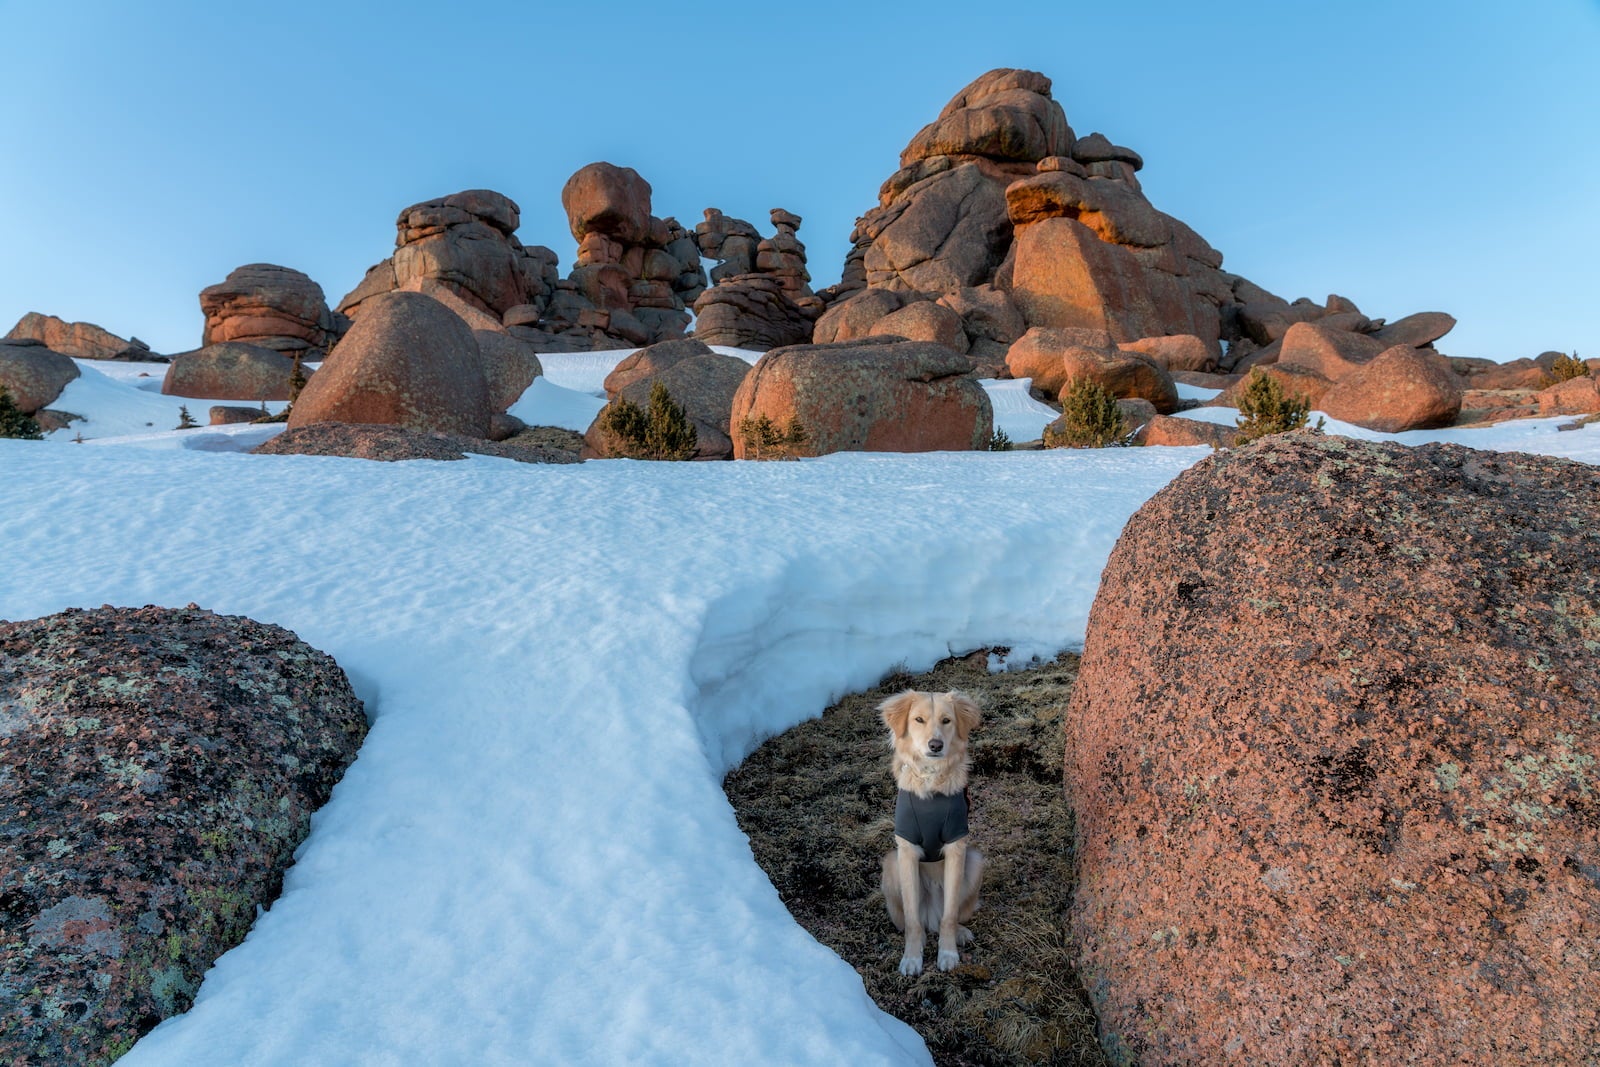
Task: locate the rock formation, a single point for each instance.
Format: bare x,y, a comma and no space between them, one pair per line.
464,244
407,361
33,374
1332,754
873,396
700,381
82,340
1001,214
230,370
760,297
271,307
161,767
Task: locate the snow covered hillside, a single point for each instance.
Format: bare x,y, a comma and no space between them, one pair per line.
532,860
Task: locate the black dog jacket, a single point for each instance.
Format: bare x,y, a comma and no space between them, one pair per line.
932,822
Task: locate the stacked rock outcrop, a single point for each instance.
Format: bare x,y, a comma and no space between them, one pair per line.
161,767
1001,214
269,306
1332,756
635,274
761,295
82,340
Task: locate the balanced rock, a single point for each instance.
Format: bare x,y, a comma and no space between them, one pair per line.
1419,330
407,361
82,340
230,370
610,200
869,396
34,375
269,306
1400,389
1332,756
161,768
1002,115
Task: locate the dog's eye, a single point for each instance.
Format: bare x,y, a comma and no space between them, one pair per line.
944,722
921,719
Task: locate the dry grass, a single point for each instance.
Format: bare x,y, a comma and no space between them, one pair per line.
818,805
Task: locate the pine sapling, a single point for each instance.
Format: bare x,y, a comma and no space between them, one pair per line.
1090,418
13,423
1264,409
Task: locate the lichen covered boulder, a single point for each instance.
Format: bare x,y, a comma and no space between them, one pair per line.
158,769
1335,761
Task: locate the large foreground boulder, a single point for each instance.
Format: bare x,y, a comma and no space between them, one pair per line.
160,769
34,375
408,361
866,396
1335,761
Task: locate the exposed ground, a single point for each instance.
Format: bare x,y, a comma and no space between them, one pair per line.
818,805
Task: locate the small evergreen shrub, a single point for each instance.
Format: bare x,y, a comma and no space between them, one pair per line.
1566,368
13,423
1090,418
1264,408
185,420
662,432
999,441
765,439
297,381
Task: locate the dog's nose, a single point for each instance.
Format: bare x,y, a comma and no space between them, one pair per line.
935,745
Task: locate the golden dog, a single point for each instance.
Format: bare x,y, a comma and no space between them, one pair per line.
932,862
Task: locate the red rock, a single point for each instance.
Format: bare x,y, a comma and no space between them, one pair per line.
1065,276
923,320
1517,374
856,316
865,396
702,383
947,231
1038,354
1575,396
1423,328
1334,354
407,361
751,311
1055,358
231,371
268,306
1331,759
1268,318
509,366
34,375
1004,115
1400,389
607,199
1175,352
232,414
1166,430
83,340
1295,380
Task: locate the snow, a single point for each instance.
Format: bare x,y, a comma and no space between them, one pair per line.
532,860
1015,410
124,401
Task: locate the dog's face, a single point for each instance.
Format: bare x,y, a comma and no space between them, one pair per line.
930,726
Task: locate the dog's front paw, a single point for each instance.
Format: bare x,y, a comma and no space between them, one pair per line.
949,959
910,965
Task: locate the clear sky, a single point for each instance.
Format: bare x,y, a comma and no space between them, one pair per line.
1423,155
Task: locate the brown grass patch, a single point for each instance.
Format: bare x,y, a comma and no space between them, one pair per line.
818,805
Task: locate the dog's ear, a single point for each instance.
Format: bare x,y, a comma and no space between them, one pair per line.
897,711
967,714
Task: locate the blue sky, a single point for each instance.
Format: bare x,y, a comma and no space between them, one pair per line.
1409,155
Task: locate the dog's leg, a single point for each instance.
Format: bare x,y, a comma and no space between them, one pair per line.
955,887
969,894
906,857
891,890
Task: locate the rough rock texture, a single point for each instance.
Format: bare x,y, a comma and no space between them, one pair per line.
509,366
407,361
1335,761
856,315
924,320
393,443
270,306
1178,352
1400,389
1165,430
886,396
1575,396
231,370
1423,328
607,199
84,340
160,766
1295,381
1055,358
465,242
1334,354
34,375
750,311
702,383
231,414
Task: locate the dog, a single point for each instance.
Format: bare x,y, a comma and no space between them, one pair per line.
932,863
